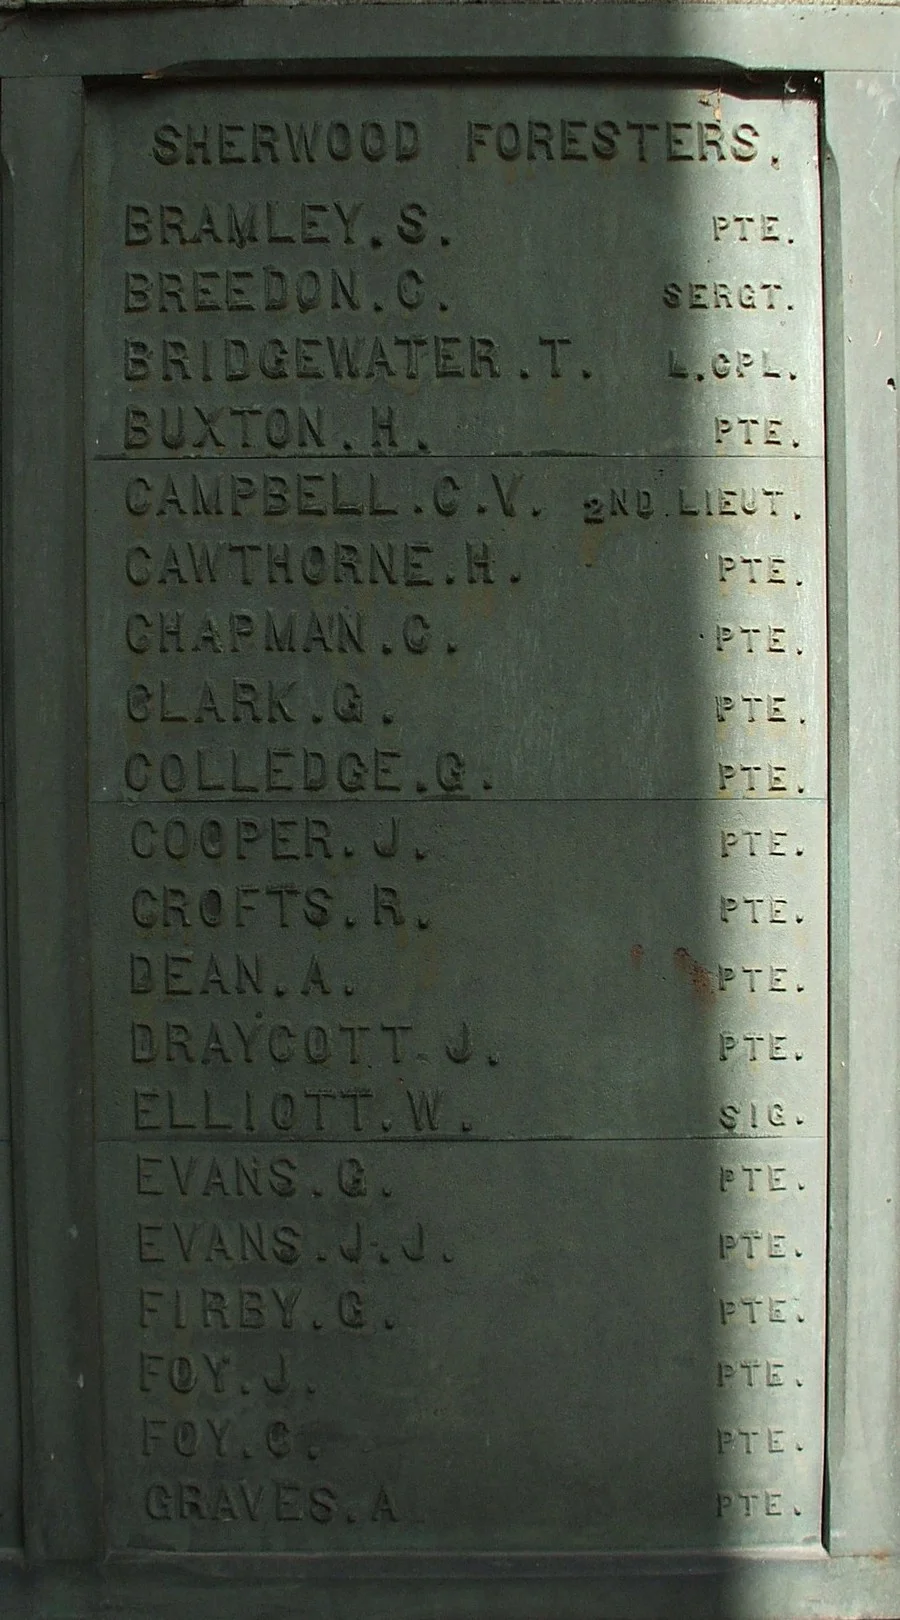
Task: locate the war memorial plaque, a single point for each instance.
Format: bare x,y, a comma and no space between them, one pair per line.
10,1436
457,772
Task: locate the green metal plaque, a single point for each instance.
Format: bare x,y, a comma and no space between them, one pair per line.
10,1437
456,610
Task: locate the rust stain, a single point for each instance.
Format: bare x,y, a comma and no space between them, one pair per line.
478,604
429,964
590,546
700,977
637,955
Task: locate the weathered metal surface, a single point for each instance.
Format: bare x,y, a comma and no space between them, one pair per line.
111,5
455,545
10,1425
10,1436
10,1429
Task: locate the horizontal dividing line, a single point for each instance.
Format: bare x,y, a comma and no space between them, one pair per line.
459,455
413,1564
270,797
363,1141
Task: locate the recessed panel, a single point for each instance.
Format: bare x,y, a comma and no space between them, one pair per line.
455,560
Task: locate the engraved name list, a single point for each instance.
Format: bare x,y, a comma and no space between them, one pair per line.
455,568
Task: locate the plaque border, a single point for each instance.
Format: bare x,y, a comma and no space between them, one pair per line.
45,63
